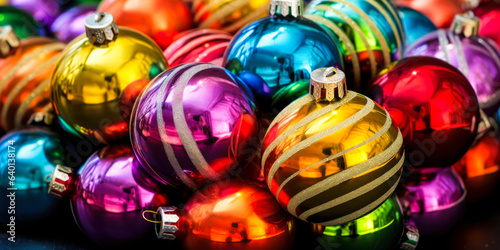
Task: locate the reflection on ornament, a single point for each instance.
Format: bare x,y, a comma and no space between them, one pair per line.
489,13
416,24
71,23
44,11
441,12
22,22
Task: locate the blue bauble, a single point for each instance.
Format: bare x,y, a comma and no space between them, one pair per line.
280,50
416,24
35,153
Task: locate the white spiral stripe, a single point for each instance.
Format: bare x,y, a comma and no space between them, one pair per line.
23,108
391,23
396,16
443,44
459,53
213,48
196,43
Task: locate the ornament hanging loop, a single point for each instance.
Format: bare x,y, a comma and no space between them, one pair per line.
148,220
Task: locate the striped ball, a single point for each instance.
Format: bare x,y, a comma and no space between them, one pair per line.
25,80
370,32
332,163
198,45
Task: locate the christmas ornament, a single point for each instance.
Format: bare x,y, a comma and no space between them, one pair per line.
434,106
25,71
228,213
416,24
71,23
333,156
160,20
370,33
27,157
205,45
441,12
22,22
434,199
106,198
489,13
476,58
383,228
86,98
44,11
227,15
194,124
281,49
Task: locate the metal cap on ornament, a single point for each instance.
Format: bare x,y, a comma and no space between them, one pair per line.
328,84
101,28
410,237
294,8
9,41
465,24
168,223
62,181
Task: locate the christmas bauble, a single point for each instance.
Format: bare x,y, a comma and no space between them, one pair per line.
87,97
194,124
280,49
370,33
27,157
161,20
228,213
474,56
25,82
71,23
434,199
44,11
434,106
198,45
332,161
227,15
4,2
441,12
489,13
416,24
22,22
106,197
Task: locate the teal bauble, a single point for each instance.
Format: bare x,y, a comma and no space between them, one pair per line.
276,51
415,23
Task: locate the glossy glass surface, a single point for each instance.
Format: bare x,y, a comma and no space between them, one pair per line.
416,24
161,20
36,154
489,13
22,22
315,155
441,12
476,57
434,106
89,80
110,199
71,23
44,11
194,124
380,229
370,33
25,80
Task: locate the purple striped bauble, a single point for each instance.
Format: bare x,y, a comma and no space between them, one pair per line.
194,124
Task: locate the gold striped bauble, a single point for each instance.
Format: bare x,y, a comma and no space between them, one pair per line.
330,163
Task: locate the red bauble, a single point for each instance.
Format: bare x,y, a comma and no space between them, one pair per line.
489,13
434,106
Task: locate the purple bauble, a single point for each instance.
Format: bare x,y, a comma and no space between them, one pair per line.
44,11
71,23
476,57
194,124
434,198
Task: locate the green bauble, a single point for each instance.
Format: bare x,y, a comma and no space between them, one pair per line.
22,22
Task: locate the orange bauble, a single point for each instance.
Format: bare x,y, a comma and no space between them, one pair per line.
25,80
159,19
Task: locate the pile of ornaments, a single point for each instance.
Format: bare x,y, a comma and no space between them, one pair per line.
233,124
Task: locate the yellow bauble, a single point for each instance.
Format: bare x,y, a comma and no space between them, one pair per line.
333,161
90,80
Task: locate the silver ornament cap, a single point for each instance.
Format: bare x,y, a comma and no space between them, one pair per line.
167,226
101,28
327,84
284,8
466,25
9,41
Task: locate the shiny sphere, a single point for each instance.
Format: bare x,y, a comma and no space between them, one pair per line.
22,22
475,57
280,51
194,124
416,24
44,11
110,198
25,81
89,80
330,163
489,13
159,19
31,154
370,33
441,12
434,106
71,23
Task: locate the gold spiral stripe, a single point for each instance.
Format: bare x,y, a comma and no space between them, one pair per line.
248,18
342,176
21,111
307,119
355,193
463,66
396,16
222,12
305,143
384,129
374,28
205,8
182,127
391,23
347,42
21,84
163,134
